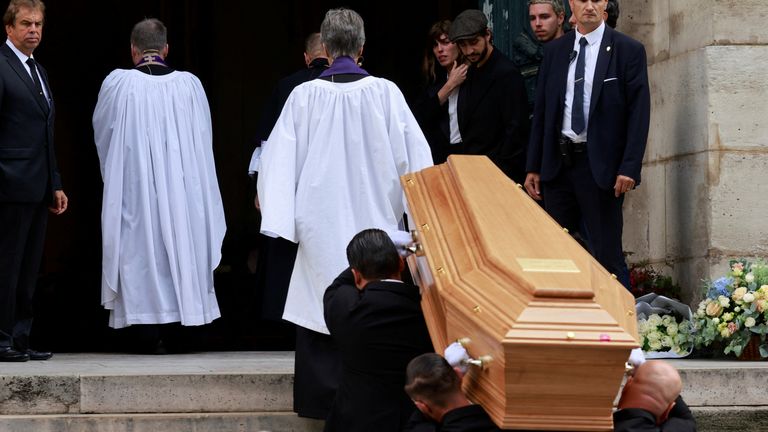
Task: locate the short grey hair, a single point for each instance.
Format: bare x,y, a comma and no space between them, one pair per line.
557,5
149,34
342,32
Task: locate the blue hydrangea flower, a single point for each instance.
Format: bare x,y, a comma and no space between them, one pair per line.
720,287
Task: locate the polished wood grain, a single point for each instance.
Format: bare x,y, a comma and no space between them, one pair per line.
499,271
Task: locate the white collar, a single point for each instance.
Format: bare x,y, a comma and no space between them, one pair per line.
23,57
595,36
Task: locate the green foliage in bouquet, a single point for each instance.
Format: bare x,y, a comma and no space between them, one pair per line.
659,333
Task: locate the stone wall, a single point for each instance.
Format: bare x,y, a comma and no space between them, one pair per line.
704,196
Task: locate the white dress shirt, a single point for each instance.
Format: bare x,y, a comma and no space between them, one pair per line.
453,116
23,57
590,61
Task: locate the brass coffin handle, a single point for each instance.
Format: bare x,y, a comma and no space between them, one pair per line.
481,362
415,247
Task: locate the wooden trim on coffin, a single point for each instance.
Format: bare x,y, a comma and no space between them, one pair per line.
524,292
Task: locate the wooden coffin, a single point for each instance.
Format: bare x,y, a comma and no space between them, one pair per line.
553,328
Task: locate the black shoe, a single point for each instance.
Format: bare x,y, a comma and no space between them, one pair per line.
8,354
39,355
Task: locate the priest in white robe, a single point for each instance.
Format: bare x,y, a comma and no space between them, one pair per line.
331,168
162,216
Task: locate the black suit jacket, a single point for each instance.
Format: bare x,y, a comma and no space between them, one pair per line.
470,418
28,171
378,331
274,106
638,420
619,109
433,119
493,115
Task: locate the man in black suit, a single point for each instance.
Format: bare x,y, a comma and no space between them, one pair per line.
277,255
29,179
435,388
492,105
376,321
590,126
651,401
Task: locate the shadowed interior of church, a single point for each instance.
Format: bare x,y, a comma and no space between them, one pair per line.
238,50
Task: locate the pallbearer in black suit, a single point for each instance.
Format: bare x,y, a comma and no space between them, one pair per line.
590,126
30,185
376,321
435,388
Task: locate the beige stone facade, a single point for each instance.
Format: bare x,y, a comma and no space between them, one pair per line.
704,195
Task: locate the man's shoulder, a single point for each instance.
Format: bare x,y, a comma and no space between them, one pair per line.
393,289
622,39
5,50
559,43
120,81
470,417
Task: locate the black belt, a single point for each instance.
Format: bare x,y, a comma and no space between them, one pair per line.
568,148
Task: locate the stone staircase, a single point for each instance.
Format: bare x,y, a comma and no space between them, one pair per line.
252,392
726,395
232,391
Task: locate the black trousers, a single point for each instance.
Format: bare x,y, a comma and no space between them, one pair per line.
316,375
22,237
574,196
276,259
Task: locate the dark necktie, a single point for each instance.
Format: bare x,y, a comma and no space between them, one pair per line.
38,85
577,112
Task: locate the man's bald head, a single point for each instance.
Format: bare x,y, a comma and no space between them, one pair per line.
654,387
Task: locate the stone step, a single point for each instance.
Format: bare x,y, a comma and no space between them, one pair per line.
120,383
197,422
724,383
253,391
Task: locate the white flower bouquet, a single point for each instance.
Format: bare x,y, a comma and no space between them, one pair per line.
664,327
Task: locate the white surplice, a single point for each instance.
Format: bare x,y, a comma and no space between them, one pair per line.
330,169
162,216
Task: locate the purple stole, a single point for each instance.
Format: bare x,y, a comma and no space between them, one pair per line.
343,65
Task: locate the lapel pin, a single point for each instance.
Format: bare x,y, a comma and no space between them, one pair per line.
608,48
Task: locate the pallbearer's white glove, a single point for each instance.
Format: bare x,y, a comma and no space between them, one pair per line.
401,239
636,357
457,356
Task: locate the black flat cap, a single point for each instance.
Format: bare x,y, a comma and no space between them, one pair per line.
468,24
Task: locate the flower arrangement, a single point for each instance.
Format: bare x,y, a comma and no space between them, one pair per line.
644,279
661,333
736,309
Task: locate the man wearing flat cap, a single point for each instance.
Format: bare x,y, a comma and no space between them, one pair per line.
492,103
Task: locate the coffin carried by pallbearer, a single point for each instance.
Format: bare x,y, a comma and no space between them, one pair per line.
548,328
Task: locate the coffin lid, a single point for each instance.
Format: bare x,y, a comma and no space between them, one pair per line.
502,273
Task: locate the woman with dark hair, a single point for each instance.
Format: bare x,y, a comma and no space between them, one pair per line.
435,109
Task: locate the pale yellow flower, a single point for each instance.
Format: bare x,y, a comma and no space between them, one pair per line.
749,278
749,322
714,309
672,328
654,320
724,301
749,298
738,293
725,333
